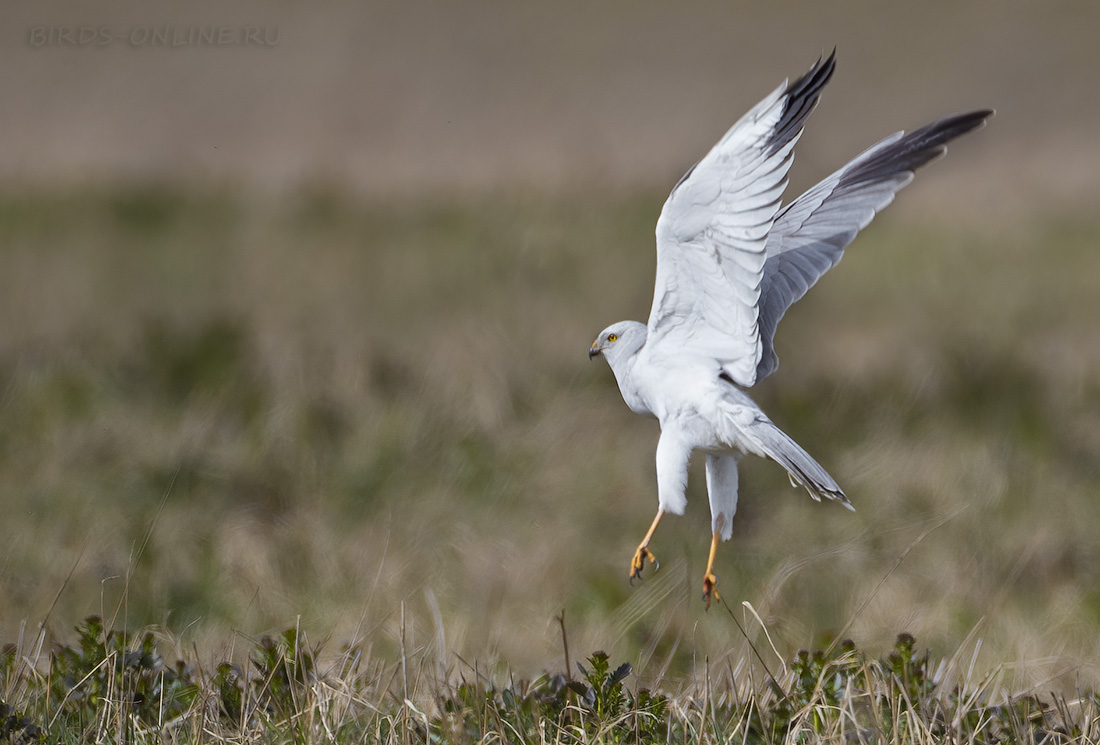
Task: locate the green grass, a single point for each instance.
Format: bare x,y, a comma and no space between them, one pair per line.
223,414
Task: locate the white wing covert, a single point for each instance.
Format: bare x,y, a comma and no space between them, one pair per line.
712,233
809,235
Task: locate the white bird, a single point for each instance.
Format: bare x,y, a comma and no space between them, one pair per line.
730,261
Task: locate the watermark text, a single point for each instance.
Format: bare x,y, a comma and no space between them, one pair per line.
159,36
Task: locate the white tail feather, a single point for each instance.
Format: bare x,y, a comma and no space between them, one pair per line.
802,469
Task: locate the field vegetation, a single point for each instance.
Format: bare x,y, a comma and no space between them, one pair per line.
374,422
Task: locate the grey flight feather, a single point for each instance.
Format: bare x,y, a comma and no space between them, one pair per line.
810,234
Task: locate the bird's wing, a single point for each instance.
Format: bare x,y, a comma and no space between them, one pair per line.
809,235
712,232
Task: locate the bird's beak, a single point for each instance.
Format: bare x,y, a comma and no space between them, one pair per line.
593,350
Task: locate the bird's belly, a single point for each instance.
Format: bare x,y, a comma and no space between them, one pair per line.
714,420
701,431
710,413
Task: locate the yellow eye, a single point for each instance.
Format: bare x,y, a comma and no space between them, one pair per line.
612,337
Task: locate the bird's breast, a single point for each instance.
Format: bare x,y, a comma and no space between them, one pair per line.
637,401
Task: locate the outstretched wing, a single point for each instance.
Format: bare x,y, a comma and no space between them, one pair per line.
711,236
809,235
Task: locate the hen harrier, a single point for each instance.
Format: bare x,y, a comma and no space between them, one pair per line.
730,261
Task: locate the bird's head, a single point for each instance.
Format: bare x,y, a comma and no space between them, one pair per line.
618,341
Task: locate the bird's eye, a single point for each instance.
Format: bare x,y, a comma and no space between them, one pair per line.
612,337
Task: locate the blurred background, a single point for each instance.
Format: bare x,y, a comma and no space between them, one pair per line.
296,300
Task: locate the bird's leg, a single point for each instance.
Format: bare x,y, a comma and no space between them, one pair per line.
643,551
709,580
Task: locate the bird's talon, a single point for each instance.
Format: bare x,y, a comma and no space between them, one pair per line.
638,562
709,584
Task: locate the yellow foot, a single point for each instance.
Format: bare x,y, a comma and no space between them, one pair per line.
638,562
709,583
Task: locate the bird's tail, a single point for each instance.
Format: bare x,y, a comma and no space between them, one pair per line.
803,470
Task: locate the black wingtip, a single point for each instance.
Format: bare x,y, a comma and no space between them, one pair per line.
959,124
917,148
815,78
933,138
802,97
808,87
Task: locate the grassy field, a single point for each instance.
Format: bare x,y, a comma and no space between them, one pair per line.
118,688
223,415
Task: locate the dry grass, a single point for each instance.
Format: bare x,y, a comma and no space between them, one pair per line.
379,419
114,687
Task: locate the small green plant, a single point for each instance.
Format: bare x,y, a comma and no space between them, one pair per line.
553,707
608,703
285,670
18,729
909,670
113,665
229,686
819,682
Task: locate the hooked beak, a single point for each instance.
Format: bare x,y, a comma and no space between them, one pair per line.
593,350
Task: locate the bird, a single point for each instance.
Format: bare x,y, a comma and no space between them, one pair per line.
731,259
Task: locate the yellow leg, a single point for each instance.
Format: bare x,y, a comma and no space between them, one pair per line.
709,580
643,551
